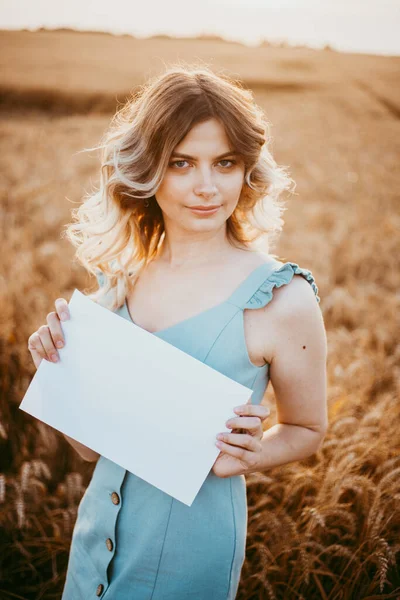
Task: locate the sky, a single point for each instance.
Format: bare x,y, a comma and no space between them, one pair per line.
366,26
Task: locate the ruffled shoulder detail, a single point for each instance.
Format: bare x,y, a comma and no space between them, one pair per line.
276,279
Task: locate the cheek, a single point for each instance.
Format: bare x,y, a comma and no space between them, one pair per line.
173,190
231,186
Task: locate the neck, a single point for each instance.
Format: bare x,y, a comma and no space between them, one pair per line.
187,251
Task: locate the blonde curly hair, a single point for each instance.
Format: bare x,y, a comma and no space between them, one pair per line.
118,229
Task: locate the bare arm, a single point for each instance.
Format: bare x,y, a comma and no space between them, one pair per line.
42,345
298,377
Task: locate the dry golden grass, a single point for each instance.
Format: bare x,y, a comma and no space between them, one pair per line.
325,528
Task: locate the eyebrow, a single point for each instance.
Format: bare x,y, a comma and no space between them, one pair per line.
180,155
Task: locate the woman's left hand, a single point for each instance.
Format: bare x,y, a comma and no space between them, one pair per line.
241,451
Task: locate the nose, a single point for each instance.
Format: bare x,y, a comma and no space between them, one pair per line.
206,187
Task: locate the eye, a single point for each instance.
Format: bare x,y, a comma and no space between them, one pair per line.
229,161
176,162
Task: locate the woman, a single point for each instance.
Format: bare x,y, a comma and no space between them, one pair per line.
178,234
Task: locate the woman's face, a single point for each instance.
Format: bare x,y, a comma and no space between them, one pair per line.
203,171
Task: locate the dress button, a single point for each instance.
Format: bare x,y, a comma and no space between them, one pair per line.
100,589
115,498
109,544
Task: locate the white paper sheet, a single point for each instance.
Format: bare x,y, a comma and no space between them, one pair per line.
135,399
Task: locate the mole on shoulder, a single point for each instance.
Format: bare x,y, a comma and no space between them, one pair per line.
303,347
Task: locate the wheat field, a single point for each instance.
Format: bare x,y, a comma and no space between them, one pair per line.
325,528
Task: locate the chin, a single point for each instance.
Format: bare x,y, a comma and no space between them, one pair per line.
203,227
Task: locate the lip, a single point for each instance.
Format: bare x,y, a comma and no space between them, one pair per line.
205,210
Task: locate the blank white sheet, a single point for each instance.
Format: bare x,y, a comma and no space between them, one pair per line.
135,399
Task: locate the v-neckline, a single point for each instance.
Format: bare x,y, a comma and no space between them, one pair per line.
199,314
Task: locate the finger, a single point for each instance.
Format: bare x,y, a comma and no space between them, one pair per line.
36,349
243,440
254,432
56,331
62,309
240,446
47,342
256,410
251,423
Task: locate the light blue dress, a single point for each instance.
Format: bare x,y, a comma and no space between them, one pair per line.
132,541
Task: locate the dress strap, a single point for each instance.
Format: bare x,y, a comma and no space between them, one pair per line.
257,290
252,283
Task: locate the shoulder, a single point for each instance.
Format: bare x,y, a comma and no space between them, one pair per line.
296,317
284,284
295,293
250,260
289,306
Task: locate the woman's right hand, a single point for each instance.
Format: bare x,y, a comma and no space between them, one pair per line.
43,343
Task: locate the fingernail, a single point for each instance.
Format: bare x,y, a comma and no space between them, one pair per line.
59,344
54,357
64,316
